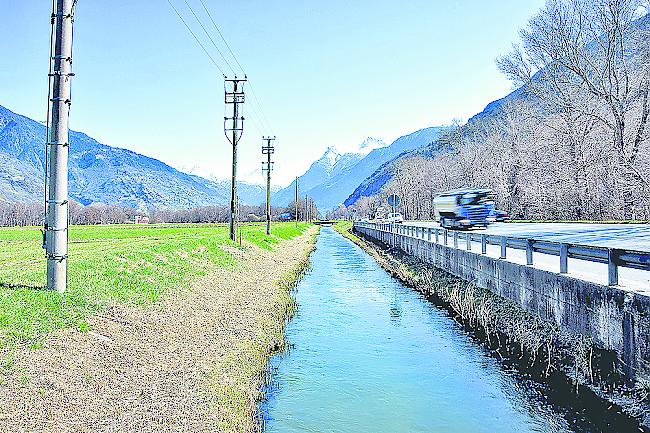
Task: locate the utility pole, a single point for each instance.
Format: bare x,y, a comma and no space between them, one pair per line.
56,220
234,95
239,219
268,150
296,201
306,209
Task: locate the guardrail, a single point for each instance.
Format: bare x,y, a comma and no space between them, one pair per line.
612,257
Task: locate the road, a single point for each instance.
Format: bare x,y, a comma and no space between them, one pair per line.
625,236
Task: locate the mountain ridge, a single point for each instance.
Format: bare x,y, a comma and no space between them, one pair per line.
99,173
330,190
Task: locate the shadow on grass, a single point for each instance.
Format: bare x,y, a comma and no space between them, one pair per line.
11,286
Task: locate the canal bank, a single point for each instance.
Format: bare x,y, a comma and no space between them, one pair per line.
571,361
193,361
367,353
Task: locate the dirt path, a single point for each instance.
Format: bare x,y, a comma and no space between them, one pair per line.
191,363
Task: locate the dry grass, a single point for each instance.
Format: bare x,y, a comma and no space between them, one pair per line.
192,362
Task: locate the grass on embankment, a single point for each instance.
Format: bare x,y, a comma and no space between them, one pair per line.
345,229
117,264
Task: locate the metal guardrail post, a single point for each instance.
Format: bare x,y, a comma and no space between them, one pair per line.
613,257
564,258
612,267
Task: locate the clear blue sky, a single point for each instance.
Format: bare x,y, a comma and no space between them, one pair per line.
328,73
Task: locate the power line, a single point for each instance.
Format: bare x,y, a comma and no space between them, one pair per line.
222,38
259,118
255,122
210,37
263,119
196,38
260,106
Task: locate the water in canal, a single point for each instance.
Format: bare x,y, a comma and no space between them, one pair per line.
371,355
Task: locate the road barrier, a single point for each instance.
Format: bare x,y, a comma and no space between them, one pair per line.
612,257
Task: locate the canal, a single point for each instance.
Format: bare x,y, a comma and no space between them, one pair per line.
367,354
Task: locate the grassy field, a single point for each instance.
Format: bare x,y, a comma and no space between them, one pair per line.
122,264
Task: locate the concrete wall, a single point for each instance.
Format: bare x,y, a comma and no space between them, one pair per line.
616,319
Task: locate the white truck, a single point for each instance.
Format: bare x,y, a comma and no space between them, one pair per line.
465,208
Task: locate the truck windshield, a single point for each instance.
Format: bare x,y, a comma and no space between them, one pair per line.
473,199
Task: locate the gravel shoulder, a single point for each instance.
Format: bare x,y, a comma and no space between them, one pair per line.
193,362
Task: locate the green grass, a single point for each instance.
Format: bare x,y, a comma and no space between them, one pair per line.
123,264
342,226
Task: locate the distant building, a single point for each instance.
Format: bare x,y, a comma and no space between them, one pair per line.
141,219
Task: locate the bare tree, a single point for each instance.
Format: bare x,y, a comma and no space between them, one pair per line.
577,48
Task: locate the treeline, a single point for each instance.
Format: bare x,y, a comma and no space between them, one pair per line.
572,144
32,214
247,213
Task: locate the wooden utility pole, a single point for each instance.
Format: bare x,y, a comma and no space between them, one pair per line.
296,201
235,97
268,150
56,221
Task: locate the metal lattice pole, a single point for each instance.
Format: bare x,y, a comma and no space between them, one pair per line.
56,223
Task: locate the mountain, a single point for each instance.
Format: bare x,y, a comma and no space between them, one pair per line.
102,174
321,170
332,164
374,184
333,186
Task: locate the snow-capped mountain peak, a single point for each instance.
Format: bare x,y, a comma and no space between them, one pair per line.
370,144
330,158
